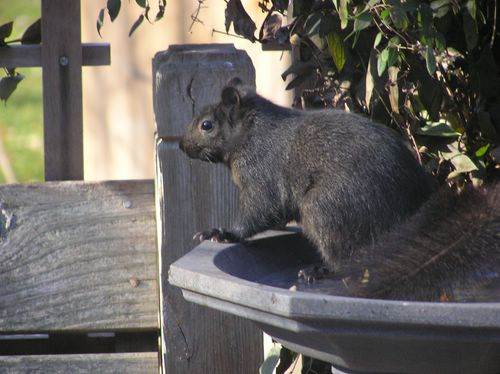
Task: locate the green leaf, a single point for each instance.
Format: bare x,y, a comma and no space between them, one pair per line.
463,163
430,60
161,13
142,3
369,80
343,14
441,7
136,24
243,24
100,21
482,150
8,85
161,9
394,42
113,8
371,3
438,129
399,17
425,22
382,59
5,31
146,13
318,41
385,14
388,57
378,39
33,34
362,21
271,360
408,6
392,58
439,41
337,51
393,88
471,8
470,31
454,174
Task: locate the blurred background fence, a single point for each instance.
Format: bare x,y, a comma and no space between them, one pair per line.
118,121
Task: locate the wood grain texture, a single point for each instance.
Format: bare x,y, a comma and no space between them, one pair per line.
17,56
78,256
62,90
193,196
126,363
189,77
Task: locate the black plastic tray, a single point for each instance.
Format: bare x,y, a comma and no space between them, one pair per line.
355,335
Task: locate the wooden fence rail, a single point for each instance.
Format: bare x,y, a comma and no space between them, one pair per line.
133,363
75,258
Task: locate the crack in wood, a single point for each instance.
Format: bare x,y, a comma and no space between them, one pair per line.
7,222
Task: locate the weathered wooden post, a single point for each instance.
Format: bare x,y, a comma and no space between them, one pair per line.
62,90
192,196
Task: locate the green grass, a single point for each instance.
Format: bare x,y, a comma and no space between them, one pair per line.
21,118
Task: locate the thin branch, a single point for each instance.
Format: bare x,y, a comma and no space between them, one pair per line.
196,13
410,46
413,143
214,31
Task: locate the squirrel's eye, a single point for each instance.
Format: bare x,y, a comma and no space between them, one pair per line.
207,125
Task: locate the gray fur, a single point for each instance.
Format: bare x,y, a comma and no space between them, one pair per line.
344,178
450,249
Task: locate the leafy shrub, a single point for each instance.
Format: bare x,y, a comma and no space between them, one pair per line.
428,68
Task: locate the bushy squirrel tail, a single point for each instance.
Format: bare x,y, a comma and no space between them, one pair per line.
448,251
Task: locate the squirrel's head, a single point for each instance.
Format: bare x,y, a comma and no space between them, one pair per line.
213,134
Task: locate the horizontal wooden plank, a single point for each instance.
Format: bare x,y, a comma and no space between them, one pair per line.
78,256
96,54
78,343
82,363
93,54
21,56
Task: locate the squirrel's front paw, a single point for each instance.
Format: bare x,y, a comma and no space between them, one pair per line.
215,235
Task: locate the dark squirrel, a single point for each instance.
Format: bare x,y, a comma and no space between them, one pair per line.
345,179
449,250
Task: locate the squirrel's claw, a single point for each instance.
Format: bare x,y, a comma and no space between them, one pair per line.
215,235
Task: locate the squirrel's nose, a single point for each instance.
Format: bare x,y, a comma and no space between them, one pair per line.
181,144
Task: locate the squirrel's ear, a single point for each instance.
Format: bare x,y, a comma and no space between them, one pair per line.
230,97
